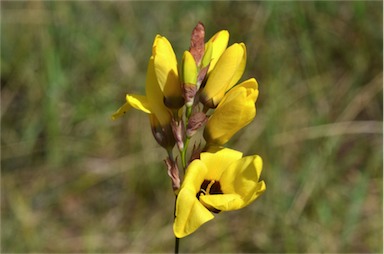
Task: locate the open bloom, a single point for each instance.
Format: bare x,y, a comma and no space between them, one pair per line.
221,180
163,92
225,74
236,110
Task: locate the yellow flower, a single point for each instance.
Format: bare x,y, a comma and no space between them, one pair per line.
165,65
163,91
221,180
226,72
152,103
162,84
236,110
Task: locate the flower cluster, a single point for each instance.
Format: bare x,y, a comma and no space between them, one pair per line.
203,96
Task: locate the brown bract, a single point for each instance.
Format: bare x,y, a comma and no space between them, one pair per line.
196,121
173,172
189,92
197,43
178,133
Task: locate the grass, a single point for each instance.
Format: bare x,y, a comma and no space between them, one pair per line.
74,181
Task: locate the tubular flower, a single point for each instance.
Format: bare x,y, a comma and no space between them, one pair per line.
165,65
221,180
152,103
235,111
162,88
226,72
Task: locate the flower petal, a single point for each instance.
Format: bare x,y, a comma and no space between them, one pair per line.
136,101
189,69
222,202
214,48
227,72
155,96
242,178
217,161
242,60
236,110
121,111
139,102
165,64
190,213
252,88
194,176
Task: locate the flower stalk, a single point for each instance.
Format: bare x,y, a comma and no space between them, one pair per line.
205,88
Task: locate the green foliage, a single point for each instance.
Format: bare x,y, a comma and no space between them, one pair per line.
75,181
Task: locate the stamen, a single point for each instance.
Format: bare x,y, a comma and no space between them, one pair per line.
210,186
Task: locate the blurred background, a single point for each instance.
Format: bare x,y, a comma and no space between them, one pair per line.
74,181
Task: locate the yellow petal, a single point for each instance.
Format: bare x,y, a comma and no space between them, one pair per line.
242,58
189,69
236,110
165,64
249,83
230,202
216,162
190,213
222,202
242,178
155,96
214,48
227,72
207,57
121,111
194,176
139,102
260,188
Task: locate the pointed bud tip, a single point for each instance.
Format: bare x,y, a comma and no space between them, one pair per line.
197,47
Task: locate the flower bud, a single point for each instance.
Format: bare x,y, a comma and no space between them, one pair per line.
197,43
189,78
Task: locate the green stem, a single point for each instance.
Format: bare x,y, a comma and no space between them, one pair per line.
177,242
184,153
188,113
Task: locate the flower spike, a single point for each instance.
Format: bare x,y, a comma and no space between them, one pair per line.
201,96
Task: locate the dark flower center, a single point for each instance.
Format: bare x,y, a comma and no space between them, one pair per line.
210,187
